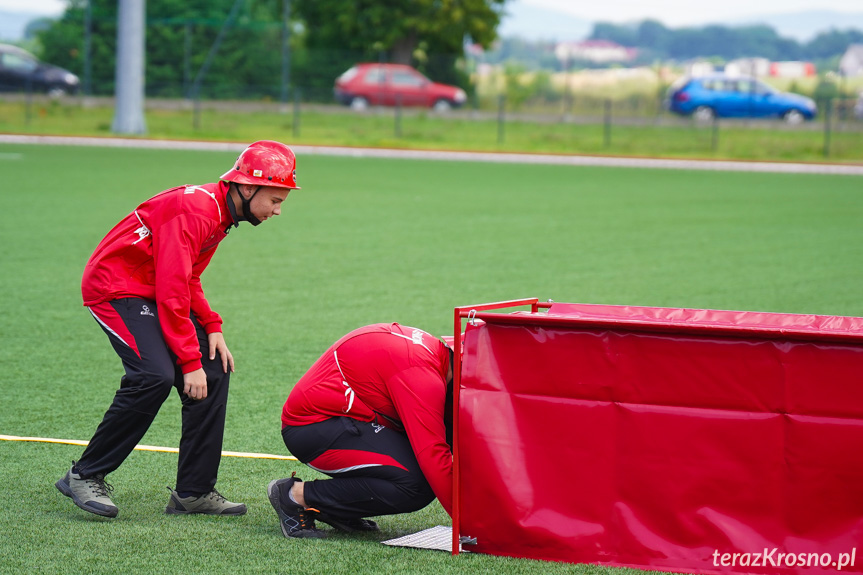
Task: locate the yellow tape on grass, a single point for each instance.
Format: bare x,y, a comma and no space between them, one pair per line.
147,447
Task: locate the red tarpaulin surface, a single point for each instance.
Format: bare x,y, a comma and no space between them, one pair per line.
681,440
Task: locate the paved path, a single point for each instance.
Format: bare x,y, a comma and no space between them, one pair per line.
498,157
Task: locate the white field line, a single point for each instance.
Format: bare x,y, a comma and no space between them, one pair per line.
494,157
147,447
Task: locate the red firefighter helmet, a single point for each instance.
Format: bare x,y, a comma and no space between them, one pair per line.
265,163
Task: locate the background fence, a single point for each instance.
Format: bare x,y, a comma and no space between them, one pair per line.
587,124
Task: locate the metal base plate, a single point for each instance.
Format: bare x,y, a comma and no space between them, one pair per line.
439,538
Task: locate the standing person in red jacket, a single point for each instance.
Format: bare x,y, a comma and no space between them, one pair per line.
373,413
143,287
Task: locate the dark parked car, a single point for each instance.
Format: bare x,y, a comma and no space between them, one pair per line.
22,71
721,96
394,84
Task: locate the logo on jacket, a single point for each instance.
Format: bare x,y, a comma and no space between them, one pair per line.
143,231
417,336
146,311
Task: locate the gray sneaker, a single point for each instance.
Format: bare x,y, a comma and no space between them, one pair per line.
90,494
213,503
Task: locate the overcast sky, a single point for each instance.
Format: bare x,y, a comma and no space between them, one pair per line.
669,12
685,12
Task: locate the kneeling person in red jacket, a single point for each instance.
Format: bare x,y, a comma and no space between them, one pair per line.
373,413
143,287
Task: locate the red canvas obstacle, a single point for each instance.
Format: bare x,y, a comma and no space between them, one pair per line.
672,439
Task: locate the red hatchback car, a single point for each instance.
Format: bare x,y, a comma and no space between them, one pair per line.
394,84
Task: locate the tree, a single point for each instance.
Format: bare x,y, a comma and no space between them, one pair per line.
620,34
63,42
179,36
653,35
827,44
334,35
36,26
398,30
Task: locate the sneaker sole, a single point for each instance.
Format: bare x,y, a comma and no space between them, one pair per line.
230,511
64,488
336,523
173,511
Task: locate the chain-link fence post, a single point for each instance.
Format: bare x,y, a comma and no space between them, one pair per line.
398,117
828,105
28,105
286,52
187,59
714,134
607,124
501,120
295,125
88,28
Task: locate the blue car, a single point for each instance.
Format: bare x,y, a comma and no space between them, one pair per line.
720,96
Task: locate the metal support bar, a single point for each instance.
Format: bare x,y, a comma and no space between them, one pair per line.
459,314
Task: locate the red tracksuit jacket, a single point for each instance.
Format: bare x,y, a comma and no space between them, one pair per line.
387,373
158,252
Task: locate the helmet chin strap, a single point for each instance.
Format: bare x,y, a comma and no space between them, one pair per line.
247,206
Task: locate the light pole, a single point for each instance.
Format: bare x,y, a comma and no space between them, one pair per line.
129,90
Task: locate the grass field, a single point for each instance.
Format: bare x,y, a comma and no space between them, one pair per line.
365,240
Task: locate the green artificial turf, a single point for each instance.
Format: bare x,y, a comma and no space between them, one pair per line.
365,240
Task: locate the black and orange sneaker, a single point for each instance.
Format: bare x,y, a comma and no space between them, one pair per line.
294,520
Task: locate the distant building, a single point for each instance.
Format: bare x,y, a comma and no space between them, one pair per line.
757,67
851,63
792,69
761,67
597,51
697,68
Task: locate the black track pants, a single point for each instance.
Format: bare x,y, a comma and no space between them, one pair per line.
374,470
132,325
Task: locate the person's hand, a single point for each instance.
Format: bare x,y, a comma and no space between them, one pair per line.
217,344
195,384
